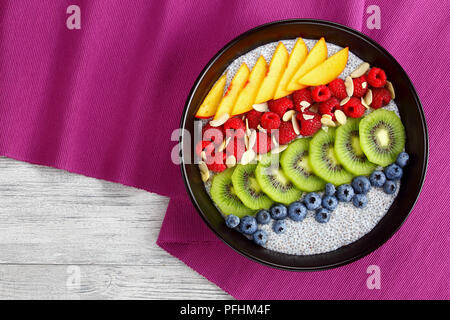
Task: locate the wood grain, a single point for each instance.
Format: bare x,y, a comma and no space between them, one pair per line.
53,222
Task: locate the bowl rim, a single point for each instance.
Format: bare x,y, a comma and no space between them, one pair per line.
369,249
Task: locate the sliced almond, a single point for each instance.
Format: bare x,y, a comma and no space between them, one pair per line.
205,175
279,149
327,122
261,107
390,88
227,141
341,118
230,161
360,70
246,142
220,121
307,116
275,141
202,166
349,86
364,103
329,116
368,97
247,129
344,101
222,146
295,125
288,115
261,129
203,155
248,156
252,140
304,104
325,128
364,85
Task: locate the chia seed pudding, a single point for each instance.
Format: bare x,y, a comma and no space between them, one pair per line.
347,222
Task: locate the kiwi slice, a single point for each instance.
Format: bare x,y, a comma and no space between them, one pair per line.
295,163
224,196
348,149
275,183
382,136
323,160
247,188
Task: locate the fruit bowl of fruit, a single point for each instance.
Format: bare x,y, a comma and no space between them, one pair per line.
304,145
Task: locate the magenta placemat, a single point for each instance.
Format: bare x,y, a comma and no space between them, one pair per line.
104,100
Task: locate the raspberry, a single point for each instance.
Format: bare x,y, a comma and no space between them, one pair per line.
309,126
253,117
286,133
301,95
380,97
329,107
216,162
270,121
354,108
234,127
337,88
263,143
214,134
320,93
206,146
236,147
358,90
280,106
376,77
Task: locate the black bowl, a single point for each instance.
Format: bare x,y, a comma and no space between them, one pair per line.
406,100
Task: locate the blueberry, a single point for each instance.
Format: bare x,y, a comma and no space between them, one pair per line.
330,189
403,159
312,201
377,178
322,215
248,225
278,211
279,226
359,200
390,187
232,221
345,193
329,202
260,237
393,172
361,184
263,217
297,211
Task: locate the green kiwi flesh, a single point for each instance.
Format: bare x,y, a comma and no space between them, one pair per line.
348,149
224,196
295,163
275,183
382,136
323,160
247,188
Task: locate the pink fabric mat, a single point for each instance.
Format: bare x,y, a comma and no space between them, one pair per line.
103,101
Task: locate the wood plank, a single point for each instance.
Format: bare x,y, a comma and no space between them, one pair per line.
52,216
104,282
51,220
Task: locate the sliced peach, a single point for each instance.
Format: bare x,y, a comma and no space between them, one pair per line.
248,94
235,87
274,74
209,105
316,56
327,71
296,58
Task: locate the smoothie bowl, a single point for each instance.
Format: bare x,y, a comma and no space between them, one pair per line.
307,145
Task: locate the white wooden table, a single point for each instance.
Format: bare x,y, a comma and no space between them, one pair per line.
66,236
